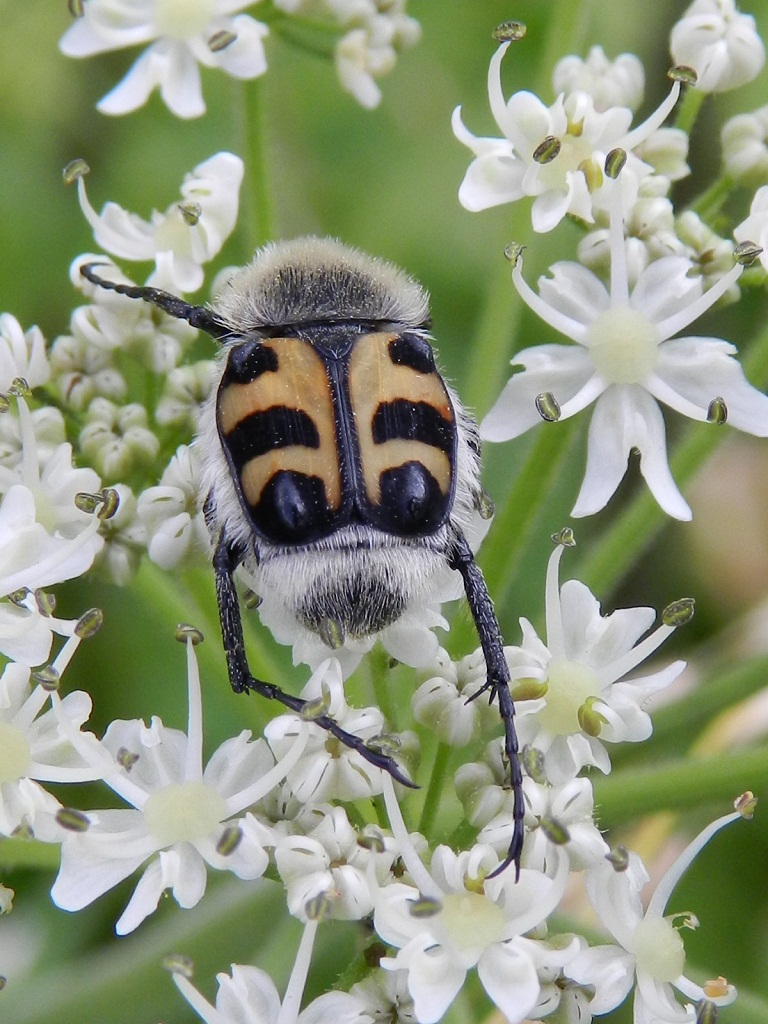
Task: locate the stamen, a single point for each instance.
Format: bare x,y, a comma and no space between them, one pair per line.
553,612
193,761
654,121
677,321
289,1009
559,321
667,884
418,872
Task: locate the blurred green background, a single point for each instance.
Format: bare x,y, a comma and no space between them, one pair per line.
385,180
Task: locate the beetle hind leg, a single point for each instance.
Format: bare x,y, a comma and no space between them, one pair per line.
497,682
226,558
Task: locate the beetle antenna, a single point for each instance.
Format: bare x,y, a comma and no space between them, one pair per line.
197,316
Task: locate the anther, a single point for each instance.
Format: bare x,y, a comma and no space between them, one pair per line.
89,623
46,603
746,804
547,407
75,169
72,820
614,162
717,411
190,213
47,677
331,633
547,150
684,74
221,40
679,612
424,906
564,538
509,32
186,632
745,253
229,840
178,963
618,858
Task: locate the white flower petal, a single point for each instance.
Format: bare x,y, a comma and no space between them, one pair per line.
509,977
627,417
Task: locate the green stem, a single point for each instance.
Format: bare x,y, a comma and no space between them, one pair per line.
624,542
522,508
688,109
434,789
256,220
710,203
678,785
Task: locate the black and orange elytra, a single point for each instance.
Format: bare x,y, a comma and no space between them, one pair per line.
320,433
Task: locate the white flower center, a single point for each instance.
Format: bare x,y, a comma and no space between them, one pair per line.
624,345
569,685
184,812
15,755
659,948
469,922
182,19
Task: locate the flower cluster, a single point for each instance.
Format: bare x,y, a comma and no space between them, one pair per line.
217,34
99,469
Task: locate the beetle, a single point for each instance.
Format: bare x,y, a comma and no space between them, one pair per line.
340,468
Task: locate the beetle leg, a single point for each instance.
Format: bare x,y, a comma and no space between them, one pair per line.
489,633
226,558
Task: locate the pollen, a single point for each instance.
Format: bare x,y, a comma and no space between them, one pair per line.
184,812
15,755
624,345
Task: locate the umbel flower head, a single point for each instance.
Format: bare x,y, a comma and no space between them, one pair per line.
180,36
626,359
555,154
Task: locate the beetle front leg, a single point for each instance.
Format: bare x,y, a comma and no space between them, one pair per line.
497,680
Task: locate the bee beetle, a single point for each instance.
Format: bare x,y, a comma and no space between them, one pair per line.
340,468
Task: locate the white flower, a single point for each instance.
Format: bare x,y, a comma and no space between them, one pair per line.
563,814
475,922
116,438
31,558
385,997
172,515
367,52
336,863
182,813
113,322
617,83
181,34
755,227
649,945
744,143
125,538
249,996
186,390
82,371
572,181
190,232
626,358
444,704
46,432
34,748
719,43
328,770
21,354
588,700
